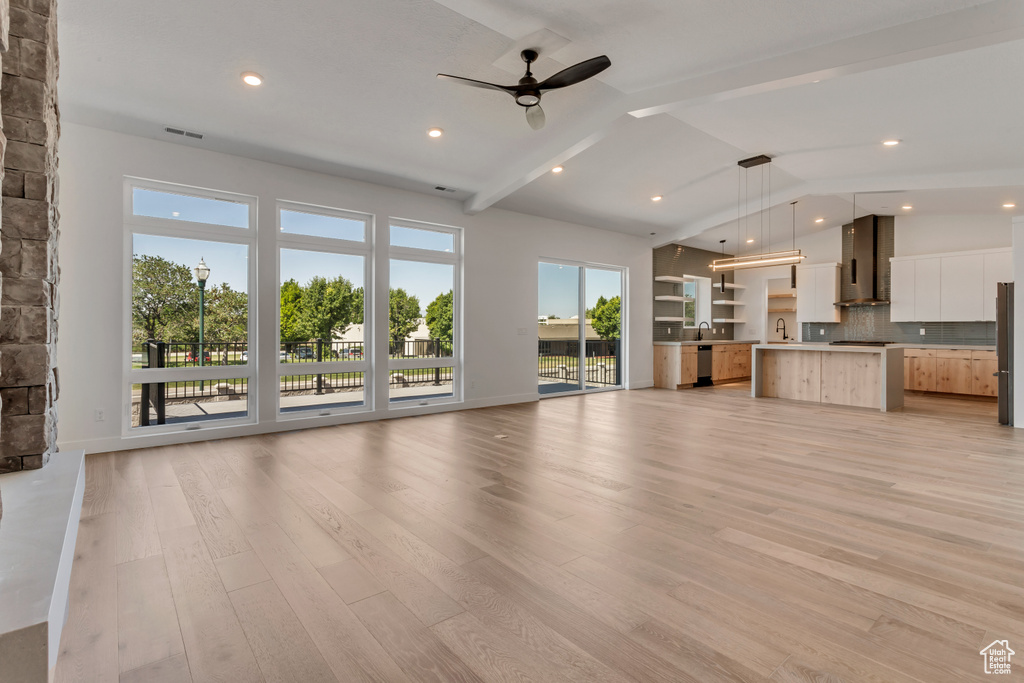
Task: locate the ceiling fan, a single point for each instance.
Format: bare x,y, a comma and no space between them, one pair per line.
528,91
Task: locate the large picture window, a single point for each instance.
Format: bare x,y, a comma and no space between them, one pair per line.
188,306
424,320
325,352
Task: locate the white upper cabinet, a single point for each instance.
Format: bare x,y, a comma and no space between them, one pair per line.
963,283
817,291
957,287
901,276
998,268
927,283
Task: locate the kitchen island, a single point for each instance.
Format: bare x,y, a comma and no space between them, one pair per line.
864,376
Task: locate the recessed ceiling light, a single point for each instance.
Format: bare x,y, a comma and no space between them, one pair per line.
1009,205
252,78
175,213
557,169
750,241
656,198
907,207
819,220
435,132
890,143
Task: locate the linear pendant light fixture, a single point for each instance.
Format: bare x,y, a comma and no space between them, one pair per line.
763,259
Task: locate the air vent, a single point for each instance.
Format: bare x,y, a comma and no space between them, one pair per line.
183,132
442,188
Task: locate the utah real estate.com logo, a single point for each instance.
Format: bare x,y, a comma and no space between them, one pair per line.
997,657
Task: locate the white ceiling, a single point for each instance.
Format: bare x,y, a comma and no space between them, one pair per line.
693,87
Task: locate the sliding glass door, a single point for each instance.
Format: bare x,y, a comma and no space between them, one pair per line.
579,330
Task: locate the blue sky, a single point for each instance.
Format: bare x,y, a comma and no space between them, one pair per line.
558,288
228,263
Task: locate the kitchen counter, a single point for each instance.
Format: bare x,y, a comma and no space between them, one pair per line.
864,376
707,341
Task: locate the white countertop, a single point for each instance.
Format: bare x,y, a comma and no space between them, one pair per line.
824,347
706,341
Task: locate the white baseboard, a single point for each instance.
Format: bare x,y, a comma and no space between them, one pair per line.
121,443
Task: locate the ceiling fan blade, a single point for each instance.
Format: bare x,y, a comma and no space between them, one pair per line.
576,73
510,89
535,117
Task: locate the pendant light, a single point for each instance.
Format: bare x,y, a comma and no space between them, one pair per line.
772,258
792,268
722,290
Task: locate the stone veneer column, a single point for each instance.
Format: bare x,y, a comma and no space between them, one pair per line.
28,237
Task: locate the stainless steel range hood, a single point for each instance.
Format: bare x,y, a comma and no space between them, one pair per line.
860,262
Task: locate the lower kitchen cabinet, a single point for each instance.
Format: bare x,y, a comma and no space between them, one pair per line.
950,371
983,373
730,361
953,371
688,365
919,369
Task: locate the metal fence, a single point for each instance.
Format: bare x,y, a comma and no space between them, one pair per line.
560,360
159,354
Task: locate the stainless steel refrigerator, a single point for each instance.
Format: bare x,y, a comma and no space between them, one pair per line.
1004,350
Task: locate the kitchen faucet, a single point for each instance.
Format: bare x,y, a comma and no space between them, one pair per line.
700,335
783,323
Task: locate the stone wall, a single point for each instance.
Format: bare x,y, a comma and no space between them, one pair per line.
28,237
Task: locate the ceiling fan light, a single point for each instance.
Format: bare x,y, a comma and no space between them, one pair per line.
527,99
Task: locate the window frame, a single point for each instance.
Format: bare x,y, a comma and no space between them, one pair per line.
327,245
210,232
455,258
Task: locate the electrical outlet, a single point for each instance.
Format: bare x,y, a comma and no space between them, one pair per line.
821,331
98,415
523,331
922,331
670,330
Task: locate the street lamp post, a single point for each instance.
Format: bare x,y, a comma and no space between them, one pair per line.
202,272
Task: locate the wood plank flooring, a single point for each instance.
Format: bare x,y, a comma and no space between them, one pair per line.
653,535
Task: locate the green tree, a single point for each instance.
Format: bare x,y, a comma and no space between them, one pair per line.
165,300
591,312
403,314
324,308
607,320
440,316
358,304
291,296
227,315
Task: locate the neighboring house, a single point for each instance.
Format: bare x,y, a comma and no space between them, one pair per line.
558,329
354,333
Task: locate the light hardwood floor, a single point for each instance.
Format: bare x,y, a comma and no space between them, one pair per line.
695,535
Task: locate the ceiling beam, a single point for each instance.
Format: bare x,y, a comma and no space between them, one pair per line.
990,23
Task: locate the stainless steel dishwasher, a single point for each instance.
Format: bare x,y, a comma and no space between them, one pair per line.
704,366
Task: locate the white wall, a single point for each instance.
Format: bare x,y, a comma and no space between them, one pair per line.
940,234
501,254
1017,230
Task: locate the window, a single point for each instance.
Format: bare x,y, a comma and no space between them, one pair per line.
188,307
324,340
424,321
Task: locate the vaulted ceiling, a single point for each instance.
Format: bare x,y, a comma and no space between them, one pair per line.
350,88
